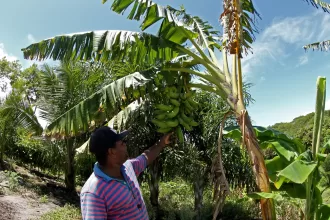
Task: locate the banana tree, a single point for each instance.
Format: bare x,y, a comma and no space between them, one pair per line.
182,41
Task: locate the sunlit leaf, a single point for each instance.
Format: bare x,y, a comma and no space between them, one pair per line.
92,111
128,46
264,195
298,171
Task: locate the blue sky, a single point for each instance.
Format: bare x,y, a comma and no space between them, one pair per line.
284,75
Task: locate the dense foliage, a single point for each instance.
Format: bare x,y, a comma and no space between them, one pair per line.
302,128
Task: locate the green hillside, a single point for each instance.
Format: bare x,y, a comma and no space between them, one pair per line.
302,128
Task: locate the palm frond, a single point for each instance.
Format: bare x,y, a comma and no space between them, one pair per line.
14,108
173,21
323,46
123,46
53,91
317,3
103,104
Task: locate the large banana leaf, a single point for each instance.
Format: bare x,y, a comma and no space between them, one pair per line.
174,22
133,47
103,104
121,120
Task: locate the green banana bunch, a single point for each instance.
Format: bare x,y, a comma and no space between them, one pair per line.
175,113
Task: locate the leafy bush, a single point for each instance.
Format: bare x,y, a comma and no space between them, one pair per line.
13,179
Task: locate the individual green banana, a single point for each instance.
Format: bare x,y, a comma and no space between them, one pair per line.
193,103
164,130
187,111
174,95
161,116
193,123
159,112
160,124
172,123
164,107
184,124
185,118
179,133
174,112
175,102
188,106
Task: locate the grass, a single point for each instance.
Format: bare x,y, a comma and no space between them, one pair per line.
44,199
66,212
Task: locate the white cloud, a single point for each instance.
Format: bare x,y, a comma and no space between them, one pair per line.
31,38
327,105
3,53
273,43
302,60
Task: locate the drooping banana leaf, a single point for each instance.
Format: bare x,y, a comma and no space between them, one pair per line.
128,46
323,46
121,120
103,104
173,21
317,3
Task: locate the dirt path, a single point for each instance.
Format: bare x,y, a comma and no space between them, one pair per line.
28,194
17,207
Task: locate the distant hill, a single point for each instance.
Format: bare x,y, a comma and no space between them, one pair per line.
302,128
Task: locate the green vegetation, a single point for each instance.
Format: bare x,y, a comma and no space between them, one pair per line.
302,128
66,212
153,84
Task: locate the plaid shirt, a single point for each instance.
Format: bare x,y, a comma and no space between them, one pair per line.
103,197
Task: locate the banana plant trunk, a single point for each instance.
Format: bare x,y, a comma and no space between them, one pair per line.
153,183
257,162
1,155
199,186
69,165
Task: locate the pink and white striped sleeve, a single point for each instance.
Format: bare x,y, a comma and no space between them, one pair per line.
139,164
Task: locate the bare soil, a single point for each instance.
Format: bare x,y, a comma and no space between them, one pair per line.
14,207
35,195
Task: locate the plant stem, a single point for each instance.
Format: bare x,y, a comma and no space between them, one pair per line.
258,164
240,80
208,78
225,66
234,76
208,66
